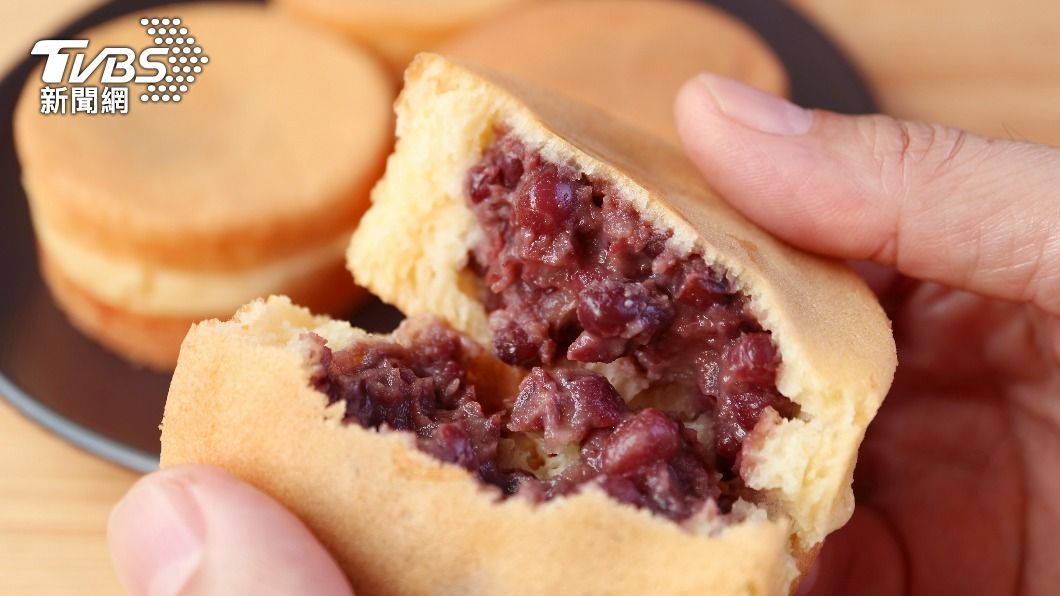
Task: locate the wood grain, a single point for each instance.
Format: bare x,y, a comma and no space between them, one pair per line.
54,502
987,67
969,63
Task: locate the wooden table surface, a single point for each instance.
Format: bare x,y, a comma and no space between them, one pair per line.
967,63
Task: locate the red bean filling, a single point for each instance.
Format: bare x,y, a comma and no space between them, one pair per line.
424,390
572,272
644,458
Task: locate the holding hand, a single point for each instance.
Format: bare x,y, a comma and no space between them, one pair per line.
957,481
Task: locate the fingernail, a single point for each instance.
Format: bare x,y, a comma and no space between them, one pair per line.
756,109
157,536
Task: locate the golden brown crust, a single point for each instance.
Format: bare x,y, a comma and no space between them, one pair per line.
216,182
396,29
401,522
149,341
663,44
154,341
838,355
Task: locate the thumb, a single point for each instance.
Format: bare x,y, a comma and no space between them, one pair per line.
197,530
935,203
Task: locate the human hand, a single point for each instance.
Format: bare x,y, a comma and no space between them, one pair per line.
958,481
198,530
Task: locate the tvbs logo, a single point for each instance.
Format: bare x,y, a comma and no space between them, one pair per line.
118,63
166,70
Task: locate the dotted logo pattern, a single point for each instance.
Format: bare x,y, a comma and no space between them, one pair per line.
185,59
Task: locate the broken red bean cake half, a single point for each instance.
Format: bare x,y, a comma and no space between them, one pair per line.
571,246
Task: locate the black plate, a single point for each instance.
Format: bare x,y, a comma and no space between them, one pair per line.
95,400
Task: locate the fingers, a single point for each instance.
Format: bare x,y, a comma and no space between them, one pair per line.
863,557
935,203
197,530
